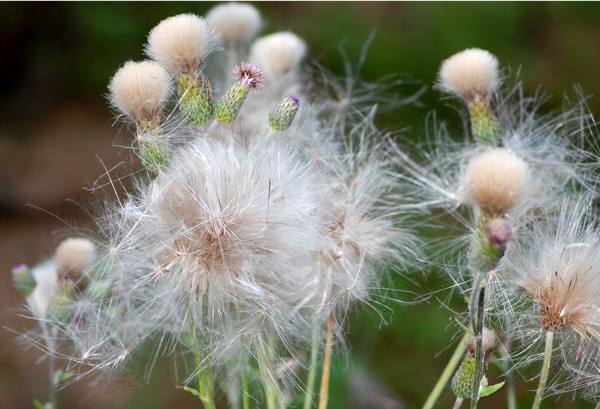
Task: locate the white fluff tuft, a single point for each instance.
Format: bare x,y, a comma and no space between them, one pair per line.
140,89
279,53
74,254
181,43
496,180
469,73
236,24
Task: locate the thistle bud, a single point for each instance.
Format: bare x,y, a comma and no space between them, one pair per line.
462,382
196,101
282,116
23,280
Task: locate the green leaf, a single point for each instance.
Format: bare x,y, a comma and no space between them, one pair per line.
488,390
64,376
464,327
38,404
193,391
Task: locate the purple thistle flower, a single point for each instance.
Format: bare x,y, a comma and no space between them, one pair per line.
251,72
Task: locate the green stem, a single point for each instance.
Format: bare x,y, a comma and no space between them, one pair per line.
448,372
205,387
312,372
268,376
545,371
457,403
324,393
477,312
245,391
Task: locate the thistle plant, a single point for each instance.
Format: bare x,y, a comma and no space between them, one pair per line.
256,221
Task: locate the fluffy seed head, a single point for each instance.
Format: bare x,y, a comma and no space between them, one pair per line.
180,43
75,254
496,180
140,89
469,73
488,342
237,23
278,53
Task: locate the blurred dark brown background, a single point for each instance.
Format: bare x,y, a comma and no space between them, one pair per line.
57,136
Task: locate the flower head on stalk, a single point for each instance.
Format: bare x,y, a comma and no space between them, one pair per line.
551,277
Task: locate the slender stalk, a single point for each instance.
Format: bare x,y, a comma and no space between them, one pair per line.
511,395
448,372
312,372
245,391
477,307
51,364
545,371
324,394
205,334
457,403
268,376
597,406
206,395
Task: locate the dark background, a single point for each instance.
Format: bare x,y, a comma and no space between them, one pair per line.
57,136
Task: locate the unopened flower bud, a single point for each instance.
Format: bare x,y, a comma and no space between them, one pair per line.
462,382
498,232
282,116
23,280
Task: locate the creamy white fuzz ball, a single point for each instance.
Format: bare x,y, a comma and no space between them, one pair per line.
140,89
279,53
74,254
235,23
180,43
469,73
496,180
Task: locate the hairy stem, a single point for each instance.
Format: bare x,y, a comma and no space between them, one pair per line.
477,310
312,372
324,393
448,372
545,371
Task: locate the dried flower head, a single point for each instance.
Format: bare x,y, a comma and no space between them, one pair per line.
470,73
236,23
555,266
180,43
140,90
278,53
496,180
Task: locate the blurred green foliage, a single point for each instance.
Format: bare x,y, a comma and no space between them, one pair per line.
62,53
